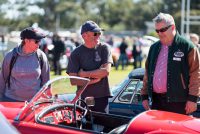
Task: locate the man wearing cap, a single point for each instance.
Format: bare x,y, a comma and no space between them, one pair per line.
22,73
92,60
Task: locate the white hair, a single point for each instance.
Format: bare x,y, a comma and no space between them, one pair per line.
193,35
167,18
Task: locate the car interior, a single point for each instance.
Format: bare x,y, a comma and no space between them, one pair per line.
79,116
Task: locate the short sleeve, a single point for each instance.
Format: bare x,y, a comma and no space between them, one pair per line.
106,55
73,64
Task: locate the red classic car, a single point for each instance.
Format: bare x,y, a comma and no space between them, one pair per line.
54,109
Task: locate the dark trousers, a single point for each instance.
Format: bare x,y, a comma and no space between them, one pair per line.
159,102
57,67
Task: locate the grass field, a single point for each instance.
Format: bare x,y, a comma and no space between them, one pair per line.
115,76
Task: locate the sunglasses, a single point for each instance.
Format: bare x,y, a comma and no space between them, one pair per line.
97,34
163,29
37,41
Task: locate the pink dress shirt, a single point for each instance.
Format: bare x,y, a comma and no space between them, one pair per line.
160,75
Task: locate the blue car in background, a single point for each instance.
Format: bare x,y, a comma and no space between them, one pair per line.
126,98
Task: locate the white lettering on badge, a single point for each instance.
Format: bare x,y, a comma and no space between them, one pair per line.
177,59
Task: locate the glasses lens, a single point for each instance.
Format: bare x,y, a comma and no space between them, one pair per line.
157,31
163,29
97,34
37,41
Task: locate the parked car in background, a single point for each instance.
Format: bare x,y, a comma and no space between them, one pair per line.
126,98
146,42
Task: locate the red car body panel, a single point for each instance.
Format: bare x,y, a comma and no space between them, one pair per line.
10,110
167,121
34,128
152,121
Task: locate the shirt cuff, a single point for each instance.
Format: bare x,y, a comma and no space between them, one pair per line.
193,98
145,97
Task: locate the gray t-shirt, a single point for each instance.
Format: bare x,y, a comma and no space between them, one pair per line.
88,60
26,75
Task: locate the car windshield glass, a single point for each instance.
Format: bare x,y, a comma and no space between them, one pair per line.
118,87
129,91
61,89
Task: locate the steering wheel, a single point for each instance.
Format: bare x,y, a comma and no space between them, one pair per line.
58,113
84,106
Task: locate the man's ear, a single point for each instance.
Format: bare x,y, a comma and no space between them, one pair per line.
84,36
173,27
26,40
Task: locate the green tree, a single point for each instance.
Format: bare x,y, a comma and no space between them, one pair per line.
113,15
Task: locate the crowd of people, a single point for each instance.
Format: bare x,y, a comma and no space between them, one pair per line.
171,79
58,50
129,52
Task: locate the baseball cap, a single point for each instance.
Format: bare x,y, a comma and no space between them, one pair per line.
31,33
90,26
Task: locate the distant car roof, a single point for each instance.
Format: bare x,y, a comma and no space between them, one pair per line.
154,39
137,74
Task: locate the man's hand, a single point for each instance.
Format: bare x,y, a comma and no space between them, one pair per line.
145,104
190,107
92,81
81,73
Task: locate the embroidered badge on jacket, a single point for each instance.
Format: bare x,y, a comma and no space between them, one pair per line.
178,55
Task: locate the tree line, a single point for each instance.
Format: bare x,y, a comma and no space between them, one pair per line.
113,15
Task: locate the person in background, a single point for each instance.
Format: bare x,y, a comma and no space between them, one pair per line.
92,60
137,54
25,69
123,58
58,51
76,43
195,39
3,44
110,41
43,45
172,70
